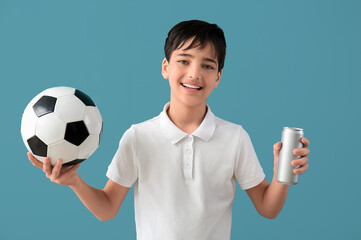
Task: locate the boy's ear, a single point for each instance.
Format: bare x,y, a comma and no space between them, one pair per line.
218,78
165,69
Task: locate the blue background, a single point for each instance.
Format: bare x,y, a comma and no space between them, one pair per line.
289,63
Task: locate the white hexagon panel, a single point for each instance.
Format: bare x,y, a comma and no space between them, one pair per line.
50,128
59,91
88,147
93,120
61,122
28,125
63,150
73,113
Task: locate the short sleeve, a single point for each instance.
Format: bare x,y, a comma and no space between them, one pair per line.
123,168
248,171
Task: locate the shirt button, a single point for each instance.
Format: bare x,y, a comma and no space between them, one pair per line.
189,152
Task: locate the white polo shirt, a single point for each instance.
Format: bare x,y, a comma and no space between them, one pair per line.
184,184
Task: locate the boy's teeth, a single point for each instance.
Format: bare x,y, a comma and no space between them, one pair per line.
190,86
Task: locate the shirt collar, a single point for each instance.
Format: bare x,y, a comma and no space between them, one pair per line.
174,134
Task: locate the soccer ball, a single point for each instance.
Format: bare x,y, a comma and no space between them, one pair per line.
61,123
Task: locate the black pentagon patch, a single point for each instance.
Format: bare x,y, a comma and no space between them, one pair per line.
37,146
76,161
44,105
84,98
76,132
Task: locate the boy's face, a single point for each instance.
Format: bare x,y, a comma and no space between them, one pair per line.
192,74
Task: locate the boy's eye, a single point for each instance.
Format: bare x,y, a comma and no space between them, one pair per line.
208,67
183,62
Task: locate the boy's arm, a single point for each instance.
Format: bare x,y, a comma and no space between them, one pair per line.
104,204
270,198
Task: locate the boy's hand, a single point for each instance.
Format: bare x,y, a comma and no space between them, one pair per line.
301,162
57,174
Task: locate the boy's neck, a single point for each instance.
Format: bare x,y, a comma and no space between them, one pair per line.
186,118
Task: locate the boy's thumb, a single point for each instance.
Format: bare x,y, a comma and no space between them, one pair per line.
277,148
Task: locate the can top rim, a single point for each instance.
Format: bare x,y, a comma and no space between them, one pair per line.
293,129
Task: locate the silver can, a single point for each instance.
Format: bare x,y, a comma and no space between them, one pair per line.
291,139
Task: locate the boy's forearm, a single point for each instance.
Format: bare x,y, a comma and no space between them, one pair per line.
94,199
274,198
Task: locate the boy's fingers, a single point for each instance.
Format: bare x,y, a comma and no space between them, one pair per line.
74,168
35,161
301,151
301,170
70,171
47,167
276,149
305,142
56,170
300,162
66,169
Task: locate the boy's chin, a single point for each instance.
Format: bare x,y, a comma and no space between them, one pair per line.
191,103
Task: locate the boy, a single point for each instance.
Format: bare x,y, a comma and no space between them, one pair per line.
184,163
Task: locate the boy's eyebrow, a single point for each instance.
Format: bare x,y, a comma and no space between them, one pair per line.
191,56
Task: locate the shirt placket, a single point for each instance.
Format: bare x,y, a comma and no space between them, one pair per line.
188,158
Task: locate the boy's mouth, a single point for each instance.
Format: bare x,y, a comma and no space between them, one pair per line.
191,86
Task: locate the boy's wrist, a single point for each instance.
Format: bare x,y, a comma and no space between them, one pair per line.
274,173
274,178
76,181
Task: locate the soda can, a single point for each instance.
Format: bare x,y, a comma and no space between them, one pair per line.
291,139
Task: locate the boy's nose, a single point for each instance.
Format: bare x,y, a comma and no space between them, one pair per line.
194,73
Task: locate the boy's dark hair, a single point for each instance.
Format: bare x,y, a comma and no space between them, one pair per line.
202,32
